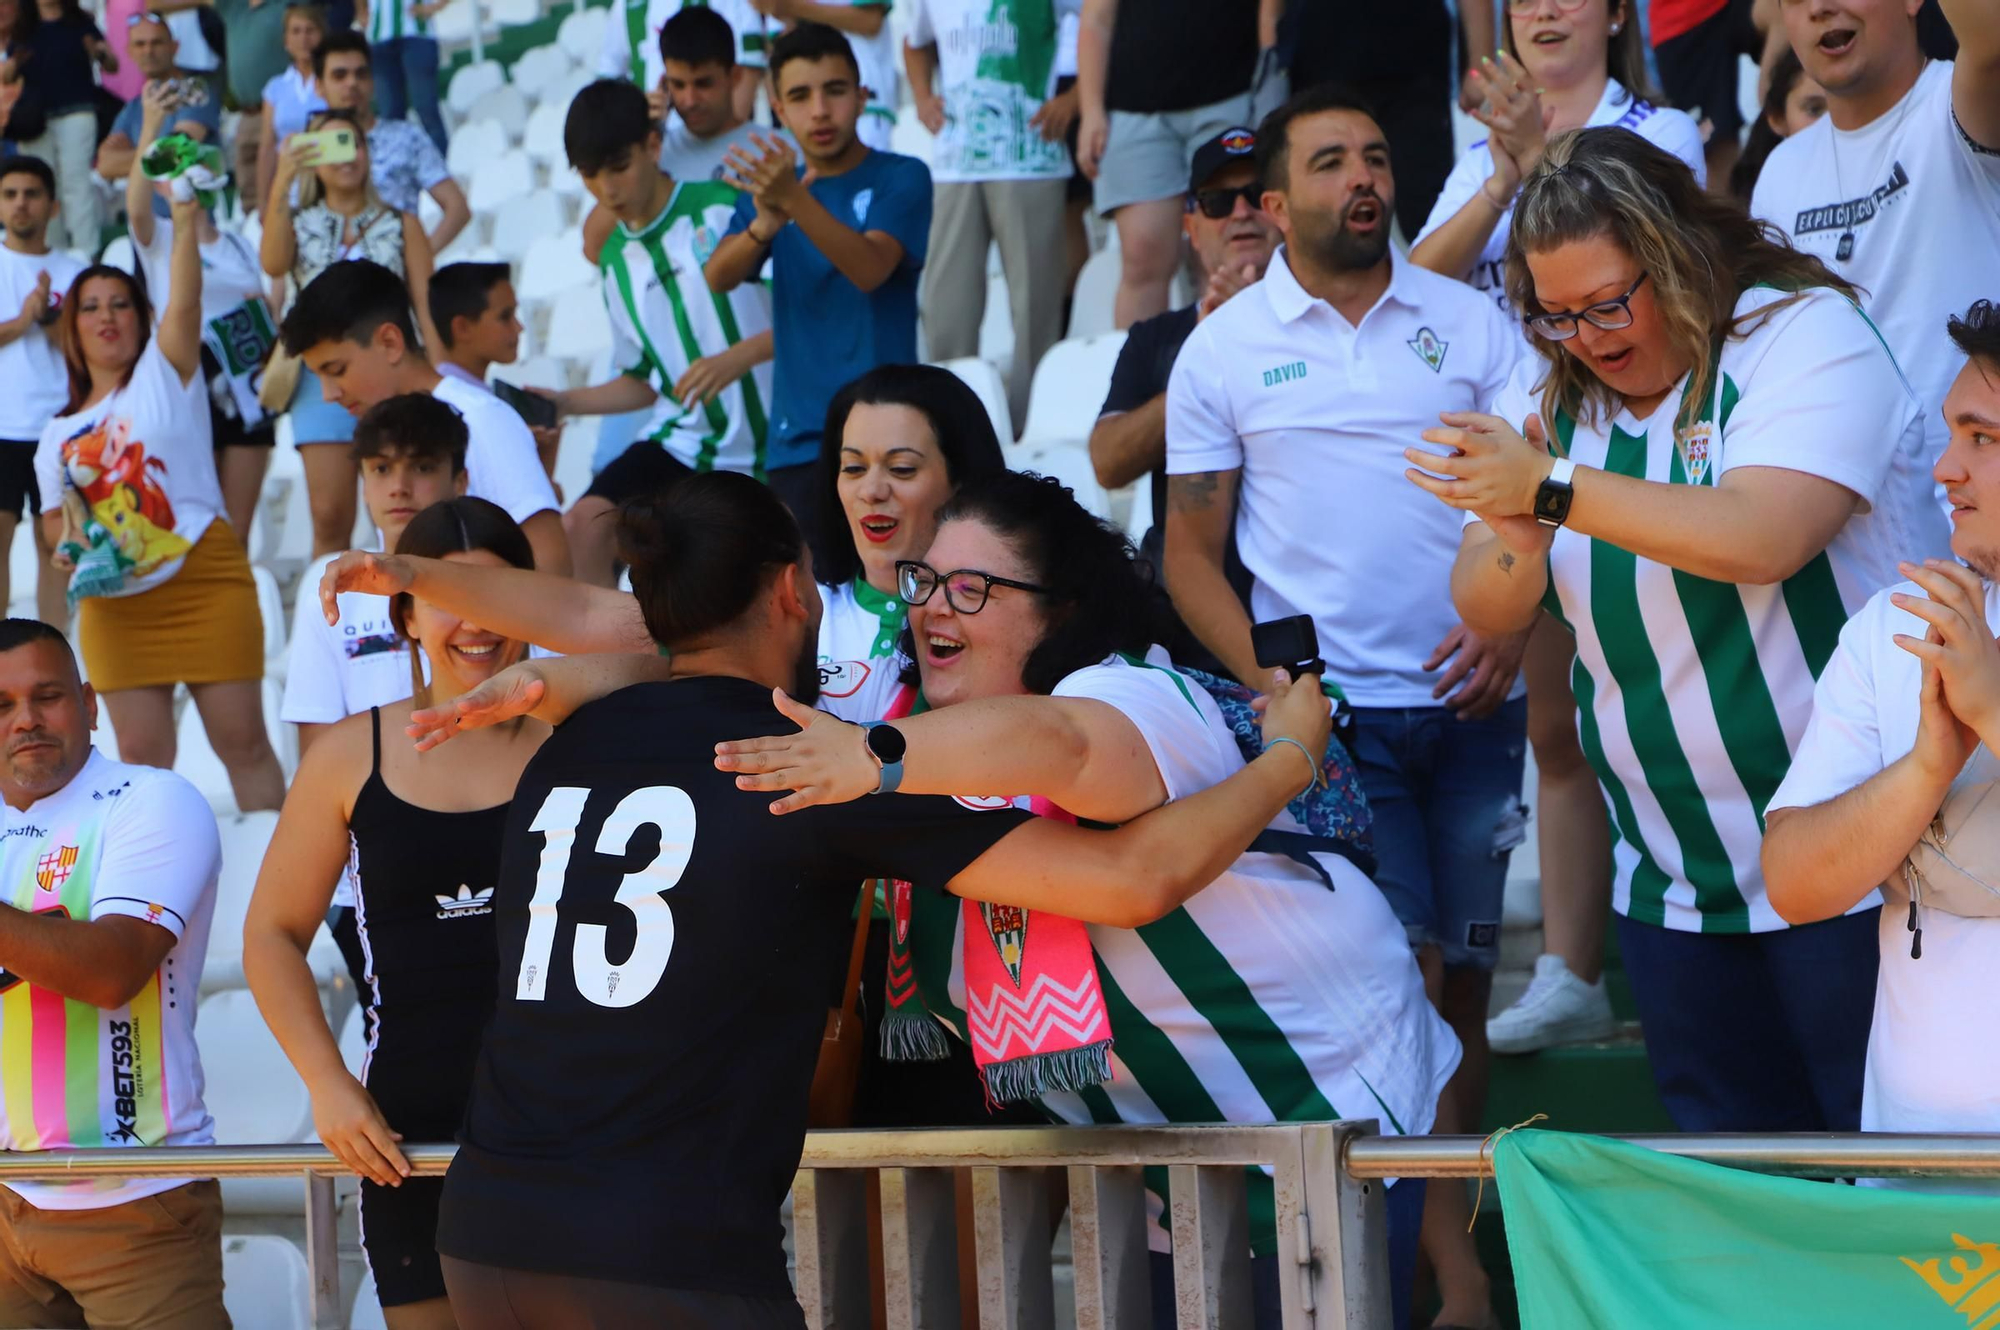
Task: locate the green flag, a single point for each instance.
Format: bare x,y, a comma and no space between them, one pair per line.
1608,1234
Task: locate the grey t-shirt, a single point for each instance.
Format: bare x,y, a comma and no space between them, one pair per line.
685,157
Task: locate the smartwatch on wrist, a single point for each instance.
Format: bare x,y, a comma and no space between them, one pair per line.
887,745
1552,500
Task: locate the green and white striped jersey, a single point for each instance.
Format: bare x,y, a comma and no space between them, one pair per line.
664,318
1266,998
1692,695
390,19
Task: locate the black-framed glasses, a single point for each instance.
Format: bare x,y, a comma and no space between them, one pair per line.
965,590
1609,315
1216,204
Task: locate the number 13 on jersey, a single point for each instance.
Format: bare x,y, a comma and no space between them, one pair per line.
597,978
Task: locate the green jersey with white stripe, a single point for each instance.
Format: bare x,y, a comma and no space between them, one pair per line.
1266,998
1693,694
664,318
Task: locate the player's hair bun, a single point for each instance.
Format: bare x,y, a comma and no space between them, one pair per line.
702,550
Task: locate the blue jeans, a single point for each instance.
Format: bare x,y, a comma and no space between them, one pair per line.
1757,1031
1405,1206
1446,795
406,76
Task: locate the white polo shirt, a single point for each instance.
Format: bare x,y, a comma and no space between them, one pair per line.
1316,414
501,464
1864,718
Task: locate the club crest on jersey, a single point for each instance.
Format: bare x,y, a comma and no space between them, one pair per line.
1696,446
861,202
1430,349
703,244
465,904
1007,925
842,678
53,868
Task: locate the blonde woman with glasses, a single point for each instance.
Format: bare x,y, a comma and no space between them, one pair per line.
1710,463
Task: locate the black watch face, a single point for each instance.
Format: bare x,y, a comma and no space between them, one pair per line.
887,743
1552,502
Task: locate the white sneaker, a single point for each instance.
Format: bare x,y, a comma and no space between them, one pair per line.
1558,1008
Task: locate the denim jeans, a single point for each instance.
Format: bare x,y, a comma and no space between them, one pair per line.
406,77
1446,795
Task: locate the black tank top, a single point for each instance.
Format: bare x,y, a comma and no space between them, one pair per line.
423,890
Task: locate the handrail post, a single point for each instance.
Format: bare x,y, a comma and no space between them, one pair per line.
1348,1225
322,1251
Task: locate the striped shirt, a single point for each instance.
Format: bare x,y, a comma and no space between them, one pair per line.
1266,998
664,318
860,661
116,840
389,20
1693,694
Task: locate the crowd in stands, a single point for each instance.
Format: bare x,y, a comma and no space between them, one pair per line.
1649,436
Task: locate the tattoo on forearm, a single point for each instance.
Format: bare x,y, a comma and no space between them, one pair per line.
1192,493
1507,562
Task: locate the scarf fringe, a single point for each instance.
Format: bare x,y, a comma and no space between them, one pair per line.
1065,1070
913,1036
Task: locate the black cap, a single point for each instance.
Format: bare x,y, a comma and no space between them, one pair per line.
1231,145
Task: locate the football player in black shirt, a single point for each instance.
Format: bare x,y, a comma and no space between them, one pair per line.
667,947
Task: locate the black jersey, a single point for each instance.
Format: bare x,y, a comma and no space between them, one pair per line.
667,947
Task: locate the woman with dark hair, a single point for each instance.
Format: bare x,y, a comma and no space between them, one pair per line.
1709,463
419,837
23,115
161,579
649,1110
1791,103
69,48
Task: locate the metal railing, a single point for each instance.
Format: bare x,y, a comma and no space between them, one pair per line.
1329,1211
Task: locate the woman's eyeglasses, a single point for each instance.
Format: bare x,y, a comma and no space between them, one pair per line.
965,590
1609,315
1216,204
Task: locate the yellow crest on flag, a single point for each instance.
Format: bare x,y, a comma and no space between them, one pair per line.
1970,1290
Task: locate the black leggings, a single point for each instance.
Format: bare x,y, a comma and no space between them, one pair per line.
486,1297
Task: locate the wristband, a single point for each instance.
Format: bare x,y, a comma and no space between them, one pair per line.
1318,776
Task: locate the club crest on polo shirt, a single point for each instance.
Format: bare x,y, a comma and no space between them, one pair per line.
1430,349
1697,444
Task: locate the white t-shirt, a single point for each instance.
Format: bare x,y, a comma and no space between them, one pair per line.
996,66
144,463
1921,203
1693,693
1864,718
501,464
1284,1000
1316,413
859,663
116,840
236,324
34,384
337,670
1662,126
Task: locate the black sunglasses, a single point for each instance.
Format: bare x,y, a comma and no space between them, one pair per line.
965,590
1216,204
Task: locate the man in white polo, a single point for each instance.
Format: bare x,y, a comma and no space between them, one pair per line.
1303,392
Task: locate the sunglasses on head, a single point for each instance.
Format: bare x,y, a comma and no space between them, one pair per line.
1216,204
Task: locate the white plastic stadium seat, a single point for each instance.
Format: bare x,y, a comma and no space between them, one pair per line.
265,1281
354,1039
254,1096
245,838
1091,304
514,13
526,220
537,68
1069,463
579,329
474,141
118,254
985,380
367,1313
910,138
506,105
581,35
543,138
195,759
500,181
473,82
1139,517
453,24
554,267
271,605
996,327
1069,388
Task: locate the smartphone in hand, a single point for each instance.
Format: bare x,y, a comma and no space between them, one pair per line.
537,410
